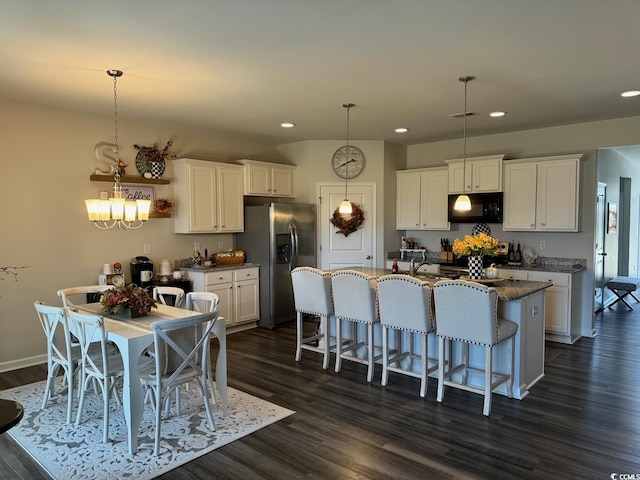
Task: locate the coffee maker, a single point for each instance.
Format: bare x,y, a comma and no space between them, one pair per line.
139,265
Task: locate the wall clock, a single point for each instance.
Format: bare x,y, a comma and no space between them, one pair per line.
349,164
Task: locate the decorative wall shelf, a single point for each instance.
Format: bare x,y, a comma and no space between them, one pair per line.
130,179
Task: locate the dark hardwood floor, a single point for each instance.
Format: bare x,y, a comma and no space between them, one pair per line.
581,421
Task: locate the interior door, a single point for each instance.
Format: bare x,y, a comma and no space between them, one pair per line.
357,249
600,254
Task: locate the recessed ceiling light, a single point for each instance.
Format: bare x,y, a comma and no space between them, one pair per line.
497,114
402,130
287,125
630,93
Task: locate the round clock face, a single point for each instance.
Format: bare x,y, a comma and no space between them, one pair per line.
348,164
117,280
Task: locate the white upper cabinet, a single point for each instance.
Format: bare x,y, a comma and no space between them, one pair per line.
483,174
542,194
421,199
208,197
268,179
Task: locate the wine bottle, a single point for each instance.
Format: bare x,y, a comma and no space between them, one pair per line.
512,254
518,254
394,268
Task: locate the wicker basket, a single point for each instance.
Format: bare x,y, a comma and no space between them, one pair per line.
237,259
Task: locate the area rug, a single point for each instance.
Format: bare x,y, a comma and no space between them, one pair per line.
70,451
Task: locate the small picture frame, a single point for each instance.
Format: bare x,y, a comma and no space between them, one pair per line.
139,192
612,217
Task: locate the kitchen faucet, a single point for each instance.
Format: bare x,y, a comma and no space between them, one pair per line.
413,269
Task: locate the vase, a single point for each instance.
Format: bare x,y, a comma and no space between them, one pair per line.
475,267
157,168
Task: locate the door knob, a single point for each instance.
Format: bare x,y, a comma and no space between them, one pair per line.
369,257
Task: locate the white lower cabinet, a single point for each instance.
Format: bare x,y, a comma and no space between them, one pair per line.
562,309
238,292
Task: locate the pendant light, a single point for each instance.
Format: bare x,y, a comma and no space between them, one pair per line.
117,212
463,202
345,207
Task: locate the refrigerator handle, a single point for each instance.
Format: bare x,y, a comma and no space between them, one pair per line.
293,258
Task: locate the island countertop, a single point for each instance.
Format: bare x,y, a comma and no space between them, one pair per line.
508,289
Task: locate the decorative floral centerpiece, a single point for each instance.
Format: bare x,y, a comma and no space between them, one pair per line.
154,154
347,224
129,301
476,245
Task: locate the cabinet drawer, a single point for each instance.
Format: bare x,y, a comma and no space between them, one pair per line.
512,274
245,274
214,278
558,279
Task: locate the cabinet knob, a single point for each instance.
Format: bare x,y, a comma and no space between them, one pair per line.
477,186
543,224
533,224
417,224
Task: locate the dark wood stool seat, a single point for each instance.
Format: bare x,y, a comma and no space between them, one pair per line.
11,412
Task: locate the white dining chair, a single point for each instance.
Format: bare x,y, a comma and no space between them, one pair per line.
180,357
61,354
103,368
406,309
175,292
467,312
202,302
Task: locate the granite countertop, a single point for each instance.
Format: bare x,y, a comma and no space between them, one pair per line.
507,289
557,268
217,268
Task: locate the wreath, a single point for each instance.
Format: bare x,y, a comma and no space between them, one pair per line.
347,225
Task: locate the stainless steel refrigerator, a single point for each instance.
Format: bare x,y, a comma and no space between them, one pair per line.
279,237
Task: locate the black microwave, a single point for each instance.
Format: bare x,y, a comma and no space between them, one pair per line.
485,208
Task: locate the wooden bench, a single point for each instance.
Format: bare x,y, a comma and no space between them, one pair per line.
623,286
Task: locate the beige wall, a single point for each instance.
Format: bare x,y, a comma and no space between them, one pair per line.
46,162
48,157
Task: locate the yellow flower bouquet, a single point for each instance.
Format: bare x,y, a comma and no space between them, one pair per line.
475,245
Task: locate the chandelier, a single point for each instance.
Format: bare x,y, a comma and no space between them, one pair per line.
117,212
463,202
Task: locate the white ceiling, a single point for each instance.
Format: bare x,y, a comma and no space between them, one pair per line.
245,66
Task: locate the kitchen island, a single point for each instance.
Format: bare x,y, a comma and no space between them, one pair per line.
520,301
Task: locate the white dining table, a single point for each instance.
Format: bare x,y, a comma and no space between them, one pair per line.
132,337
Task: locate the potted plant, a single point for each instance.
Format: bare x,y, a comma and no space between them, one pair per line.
128,301
475,246
163,205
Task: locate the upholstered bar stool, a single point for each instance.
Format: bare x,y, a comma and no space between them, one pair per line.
354,299
312,296
467,312
406,305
